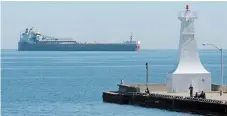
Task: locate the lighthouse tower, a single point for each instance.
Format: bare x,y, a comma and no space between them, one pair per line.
189,70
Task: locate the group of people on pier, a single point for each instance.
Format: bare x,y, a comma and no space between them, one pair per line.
202,94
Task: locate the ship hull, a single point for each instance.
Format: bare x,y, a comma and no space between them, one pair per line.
77,47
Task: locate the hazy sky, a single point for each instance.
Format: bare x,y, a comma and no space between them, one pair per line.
155,24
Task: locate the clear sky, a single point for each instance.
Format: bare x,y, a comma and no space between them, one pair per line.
155,24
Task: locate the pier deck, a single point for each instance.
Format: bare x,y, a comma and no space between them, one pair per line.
162,89
134,94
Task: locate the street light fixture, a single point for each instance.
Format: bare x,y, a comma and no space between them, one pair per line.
221,50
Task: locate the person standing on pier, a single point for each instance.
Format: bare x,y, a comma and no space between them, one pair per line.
122,82
147,91
191,90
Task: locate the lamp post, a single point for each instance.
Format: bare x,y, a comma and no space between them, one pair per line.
221,71
147,75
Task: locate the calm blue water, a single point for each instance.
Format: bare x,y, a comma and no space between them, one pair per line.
71,83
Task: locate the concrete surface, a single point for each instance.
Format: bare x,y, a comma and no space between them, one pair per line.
162,89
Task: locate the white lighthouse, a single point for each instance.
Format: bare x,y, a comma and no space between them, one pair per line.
189,70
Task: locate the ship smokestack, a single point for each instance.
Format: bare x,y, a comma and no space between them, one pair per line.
131,37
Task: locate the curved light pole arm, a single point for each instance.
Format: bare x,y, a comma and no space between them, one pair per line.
221,71
214,46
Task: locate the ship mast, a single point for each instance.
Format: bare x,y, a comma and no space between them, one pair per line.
131,37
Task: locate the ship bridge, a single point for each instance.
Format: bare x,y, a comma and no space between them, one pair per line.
32,36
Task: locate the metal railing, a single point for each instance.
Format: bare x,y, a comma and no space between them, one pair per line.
192,14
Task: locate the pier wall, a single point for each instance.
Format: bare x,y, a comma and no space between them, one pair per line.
169,102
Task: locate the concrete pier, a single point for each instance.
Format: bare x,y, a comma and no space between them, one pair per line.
159,97
162,89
